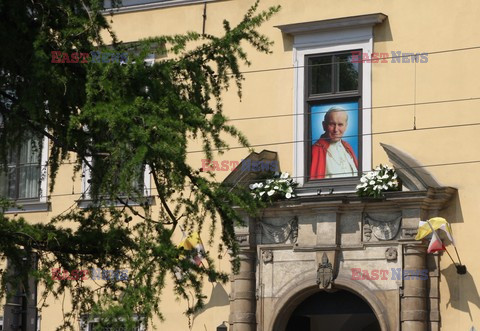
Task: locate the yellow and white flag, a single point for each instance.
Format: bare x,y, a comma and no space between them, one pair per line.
439,224
193,242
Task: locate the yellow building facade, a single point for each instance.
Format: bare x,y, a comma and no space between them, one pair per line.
405,74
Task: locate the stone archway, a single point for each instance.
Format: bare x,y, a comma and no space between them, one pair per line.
293,299
338,310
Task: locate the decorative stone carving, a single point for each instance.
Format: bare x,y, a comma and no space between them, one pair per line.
242,239
391,254
281,233
294,232
383,229
367,232
267,256
324,273
409,233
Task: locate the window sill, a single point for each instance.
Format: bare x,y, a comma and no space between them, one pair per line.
29,207
328,186
86,203
140,5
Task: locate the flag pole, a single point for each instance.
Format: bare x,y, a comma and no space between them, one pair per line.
450,257
455,246
461,269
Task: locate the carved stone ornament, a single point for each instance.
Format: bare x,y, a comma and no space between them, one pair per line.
367,232
281,233
391,254
267,256
242,239
324,273
409,233
383,226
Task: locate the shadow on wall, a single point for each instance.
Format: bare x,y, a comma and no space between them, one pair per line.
218,298
453,213
462,290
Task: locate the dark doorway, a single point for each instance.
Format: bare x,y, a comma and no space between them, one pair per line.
337,311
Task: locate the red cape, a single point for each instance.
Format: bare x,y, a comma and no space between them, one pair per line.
319,157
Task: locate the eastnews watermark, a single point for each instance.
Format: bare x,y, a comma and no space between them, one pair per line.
392,274
245,165
94,274
392,57
92,57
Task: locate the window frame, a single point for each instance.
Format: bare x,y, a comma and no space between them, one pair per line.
319,41
324,98
39,203
86,198
140,5
86,323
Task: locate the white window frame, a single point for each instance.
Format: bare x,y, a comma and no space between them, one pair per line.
86,176
34,204
86,172
85,323
331,36
139,5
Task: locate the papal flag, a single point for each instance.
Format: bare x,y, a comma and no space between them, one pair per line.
439,224
193,242
436,244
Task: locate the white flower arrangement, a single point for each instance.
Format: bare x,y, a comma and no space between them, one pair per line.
375,182
281,186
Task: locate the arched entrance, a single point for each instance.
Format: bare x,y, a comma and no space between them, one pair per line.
344,291
340,310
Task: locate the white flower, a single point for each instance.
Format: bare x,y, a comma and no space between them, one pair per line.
282,181
262,193
269,181
375,187
275,187
385,176
390,184
289,190
271,192
284,175
288,195
260,185
372,182
385,187
363,179
267,186
359,186
394,176
253,195
253,186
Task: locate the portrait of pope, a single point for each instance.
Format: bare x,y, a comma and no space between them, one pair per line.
332,156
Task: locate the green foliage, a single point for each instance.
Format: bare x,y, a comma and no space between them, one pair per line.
116,119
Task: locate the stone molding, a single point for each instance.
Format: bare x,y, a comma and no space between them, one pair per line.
307,285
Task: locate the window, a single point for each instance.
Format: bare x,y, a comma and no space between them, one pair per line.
140,183
22,180
327,85
89,325
136,5
332,95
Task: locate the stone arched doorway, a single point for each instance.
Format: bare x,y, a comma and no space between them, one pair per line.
339,310
305,291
